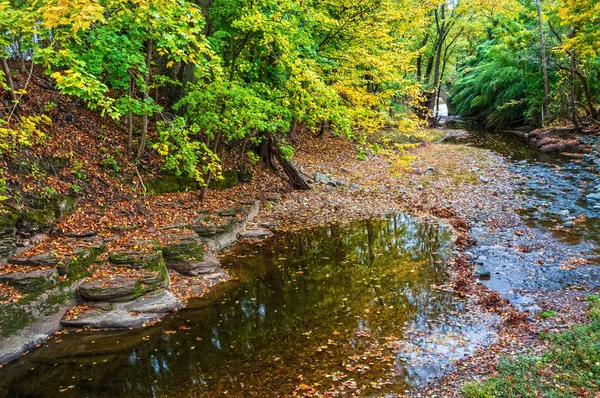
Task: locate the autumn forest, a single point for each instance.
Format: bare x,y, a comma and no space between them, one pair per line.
299,198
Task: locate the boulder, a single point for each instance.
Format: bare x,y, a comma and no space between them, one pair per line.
40,260
121,288
80,264
208,265
136,259
159,302
31,282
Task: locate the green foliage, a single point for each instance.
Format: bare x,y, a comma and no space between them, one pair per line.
571,368
182,153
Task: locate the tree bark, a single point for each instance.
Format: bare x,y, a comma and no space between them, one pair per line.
9,80
546,102
288,166
143,138
130,116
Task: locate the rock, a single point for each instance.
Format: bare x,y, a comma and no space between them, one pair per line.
256,233
120,288
331,184
228,212
593,198
322,178
8,231
353,186
274,198
41,260
564,213
482,273
31,282
430,169
158,302
98,319
80,265
208,265
419,187
484,180
347,171
136,259
184,247
340,183
84,234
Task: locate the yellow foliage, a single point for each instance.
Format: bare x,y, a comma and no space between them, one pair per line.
25,133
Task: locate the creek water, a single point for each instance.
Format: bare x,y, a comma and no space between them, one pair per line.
346,308
556,242
304,309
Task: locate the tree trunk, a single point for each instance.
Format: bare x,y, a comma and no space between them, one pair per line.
572,107
143,138
288,166
9,80
130,116
546,102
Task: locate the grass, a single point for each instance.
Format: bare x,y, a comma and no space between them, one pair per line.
571,368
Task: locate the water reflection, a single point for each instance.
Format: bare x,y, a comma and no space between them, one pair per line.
291,317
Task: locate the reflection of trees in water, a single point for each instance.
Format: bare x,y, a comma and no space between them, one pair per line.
374,274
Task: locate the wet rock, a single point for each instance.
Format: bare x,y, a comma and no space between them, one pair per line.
593,198
209,264
159,302
482,273
31,282
256,233
98,319
322,178
40,260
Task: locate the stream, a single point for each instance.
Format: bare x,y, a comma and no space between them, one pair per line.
357,308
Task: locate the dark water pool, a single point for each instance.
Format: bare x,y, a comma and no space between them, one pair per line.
314,309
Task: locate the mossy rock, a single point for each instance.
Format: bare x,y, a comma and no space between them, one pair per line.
81,264
8,219
34,282
171,183
60,205
188,249
8,223
37,220
229,178
136,259
14,317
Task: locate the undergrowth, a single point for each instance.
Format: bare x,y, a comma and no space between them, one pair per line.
571,368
